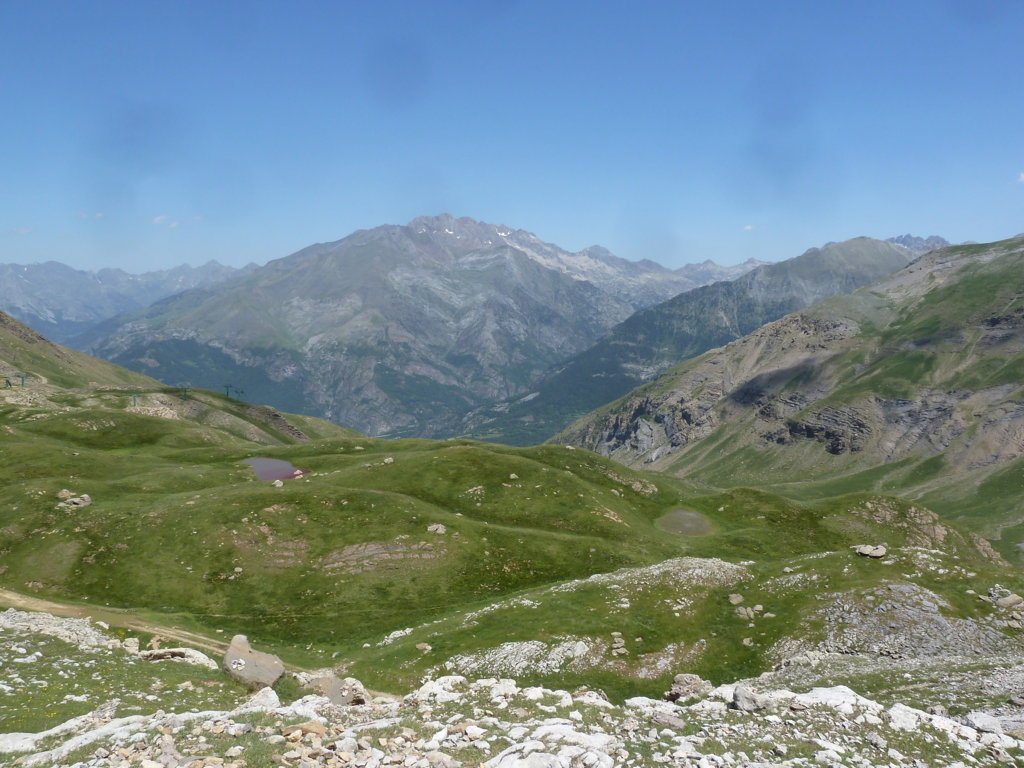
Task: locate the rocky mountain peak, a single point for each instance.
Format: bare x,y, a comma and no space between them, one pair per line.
919,244
473,234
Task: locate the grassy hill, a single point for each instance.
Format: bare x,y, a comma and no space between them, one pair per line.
22,350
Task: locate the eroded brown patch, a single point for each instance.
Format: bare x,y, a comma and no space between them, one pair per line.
266,551
357,558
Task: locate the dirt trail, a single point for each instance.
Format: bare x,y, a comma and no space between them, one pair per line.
115,617
118,617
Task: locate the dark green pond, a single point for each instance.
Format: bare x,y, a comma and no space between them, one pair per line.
686,522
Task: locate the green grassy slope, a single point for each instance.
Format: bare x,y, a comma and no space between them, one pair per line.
22,350
173,516
677,615
340,558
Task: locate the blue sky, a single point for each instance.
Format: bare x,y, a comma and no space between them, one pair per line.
147,134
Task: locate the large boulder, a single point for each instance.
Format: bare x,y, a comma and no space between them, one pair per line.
1011,600
254,668
76,501
346,692
188,655
746,700
686,686
982,721
870,550
264,699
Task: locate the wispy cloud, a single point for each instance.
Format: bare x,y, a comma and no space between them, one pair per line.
172,223
83,215
747,227
1020,179
20,231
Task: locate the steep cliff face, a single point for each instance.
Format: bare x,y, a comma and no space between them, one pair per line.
397,330
913,384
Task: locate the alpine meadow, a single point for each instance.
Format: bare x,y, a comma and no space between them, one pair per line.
696,461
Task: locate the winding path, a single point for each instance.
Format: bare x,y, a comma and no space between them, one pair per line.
115,617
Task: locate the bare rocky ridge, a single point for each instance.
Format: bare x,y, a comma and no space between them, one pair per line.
647,426
920,244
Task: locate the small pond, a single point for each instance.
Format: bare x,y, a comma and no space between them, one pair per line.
274,469
686,522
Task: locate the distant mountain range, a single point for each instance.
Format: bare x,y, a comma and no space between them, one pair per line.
61,302
397,330
913,385
445,326
920,244
658,337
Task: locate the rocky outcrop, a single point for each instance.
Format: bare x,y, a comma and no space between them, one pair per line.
80,632
921,527
451,722
186,655
343,692
840,430
904,620
275,420
70,501
659,421
870,550
687,686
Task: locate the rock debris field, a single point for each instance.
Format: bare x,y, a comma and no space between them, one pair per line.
182,714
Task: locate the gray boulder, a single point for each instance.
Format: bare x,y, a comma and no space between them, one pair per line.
343,692
188,655
870,550
440,760
686,686
745,700
982,721
253,668
1010,601
73,502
